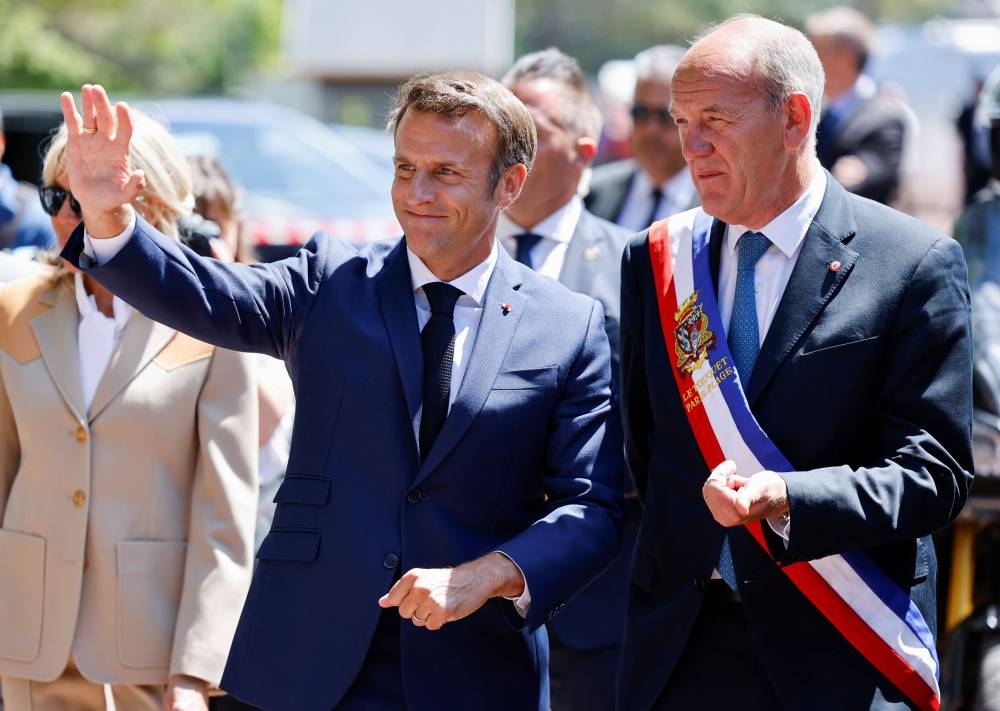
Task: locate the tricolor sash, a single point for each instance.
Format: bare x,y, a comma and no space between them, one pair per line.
871,612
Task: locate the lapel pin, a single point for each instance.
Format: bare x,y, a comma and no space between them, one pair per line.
505,307
590,253
834,266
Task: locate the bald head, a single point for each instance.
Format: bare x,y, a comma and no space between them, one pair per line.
776,59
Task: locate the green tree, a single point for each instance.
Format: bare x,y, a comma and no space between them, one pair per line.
151,46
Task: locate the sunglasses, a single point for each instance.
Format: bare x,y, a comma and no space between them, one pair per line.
641,112
53,198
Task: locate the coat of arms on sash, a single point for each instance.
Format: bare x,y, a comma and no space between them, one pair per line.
692,339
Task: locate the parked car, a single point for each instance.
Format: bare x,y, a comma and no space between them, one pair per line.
298,175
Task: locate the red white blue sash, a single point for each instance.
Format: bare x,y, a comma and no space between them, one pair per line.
871,612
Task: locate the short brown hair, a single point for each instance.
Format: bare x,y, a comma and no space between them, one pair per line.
454,94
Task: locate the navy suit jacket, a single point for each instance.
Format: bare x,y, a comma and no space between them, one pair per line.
864,382
519,466
609,187
596,617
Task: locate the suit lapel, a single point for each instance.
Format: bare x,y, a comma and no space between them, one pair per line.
55,330
394,286
141,340
577,272
496,331
810,286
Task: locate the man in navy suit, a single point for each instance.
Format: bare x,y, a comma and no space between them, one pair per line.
469,454
548,228
860,374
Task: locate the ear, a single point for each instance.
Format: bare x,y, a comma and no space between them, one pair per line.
510,184
800,113
586,149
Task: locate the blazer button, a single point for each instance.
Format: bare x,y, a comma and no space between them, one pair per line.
390,561
414,497
81,434
79,498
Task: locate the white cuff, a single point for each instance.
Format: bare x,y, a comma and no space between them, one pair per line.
781,526
523,602
103,251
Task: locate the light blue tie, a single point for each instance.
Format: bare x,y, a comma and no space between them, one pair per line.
744,343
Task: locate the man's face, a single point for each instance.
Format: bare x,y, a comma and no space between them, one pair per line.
733,144
440,191
654,141
559,164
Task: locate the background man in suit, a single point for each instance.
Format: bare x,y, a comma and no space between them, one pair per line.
862,380
489,480
655,182
548,228
861,132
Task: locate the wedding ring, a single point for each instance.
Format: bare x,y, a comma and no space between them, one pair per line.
421,620
90,129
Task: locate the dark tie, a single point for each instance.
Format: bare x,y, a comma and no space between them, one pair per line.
657,197
438,339
744,344
526,242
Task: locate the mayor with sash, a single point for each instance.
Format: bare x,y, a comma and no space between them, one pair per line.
796,390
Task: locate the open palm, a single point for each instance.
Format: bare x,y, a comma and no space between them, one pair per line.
97,153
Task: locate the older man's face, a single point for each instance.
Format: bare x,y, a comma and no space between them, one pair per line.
732,142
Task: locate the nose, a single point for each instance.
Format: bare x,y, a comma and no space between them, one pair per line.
694,142
421,189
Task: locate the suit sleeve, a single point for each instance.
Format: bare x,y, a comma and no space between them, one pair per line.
637,417
920,473
582,480
243,307
223,516
882,153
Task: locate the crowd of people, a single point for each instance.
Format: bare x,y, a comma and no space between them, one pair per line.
671,432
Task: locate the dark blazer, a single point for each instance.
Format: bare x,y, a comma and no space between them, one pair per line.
874,133
596,617
610,185
520,465
864,382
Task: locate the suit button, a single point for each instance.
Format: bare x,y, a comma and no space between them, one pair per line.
81,434
390,561
414,497
79,498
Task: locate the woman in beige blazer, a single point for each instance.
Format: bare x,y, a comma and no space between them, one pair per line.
128,481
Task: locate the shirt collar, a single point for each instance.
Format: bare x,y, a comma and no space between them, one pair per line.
559,226
86,304
473,282
788,229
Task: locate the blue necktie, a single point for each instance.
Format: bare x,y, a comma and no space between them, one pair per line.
526,242
744,343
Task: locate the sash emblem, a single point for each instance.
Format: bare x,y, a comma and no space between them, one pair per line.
692,338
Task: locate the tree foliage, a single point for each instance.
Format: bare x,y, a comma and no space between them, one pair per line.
597,30
160,46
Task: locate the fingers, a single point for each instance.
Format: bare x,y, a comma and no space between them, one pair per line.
124,121
723,471
89,110
105,118
70,115
397,593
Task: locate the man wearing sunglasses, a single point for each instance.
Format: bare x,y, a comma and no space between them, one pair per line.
22,224
655,183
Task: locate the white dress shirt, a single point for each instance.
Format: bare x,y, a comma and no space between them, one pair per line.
556,231
97,337
771,274
678,194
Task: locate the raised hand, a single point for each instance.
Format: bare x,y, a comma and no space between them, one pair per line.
97,160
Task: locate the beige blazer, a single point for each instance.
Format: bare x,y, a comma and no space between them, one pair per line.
127,531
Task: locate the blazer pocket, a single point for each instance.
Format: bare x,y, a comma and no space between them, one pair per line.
527,379
840,352
297,545
150,583
22,595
